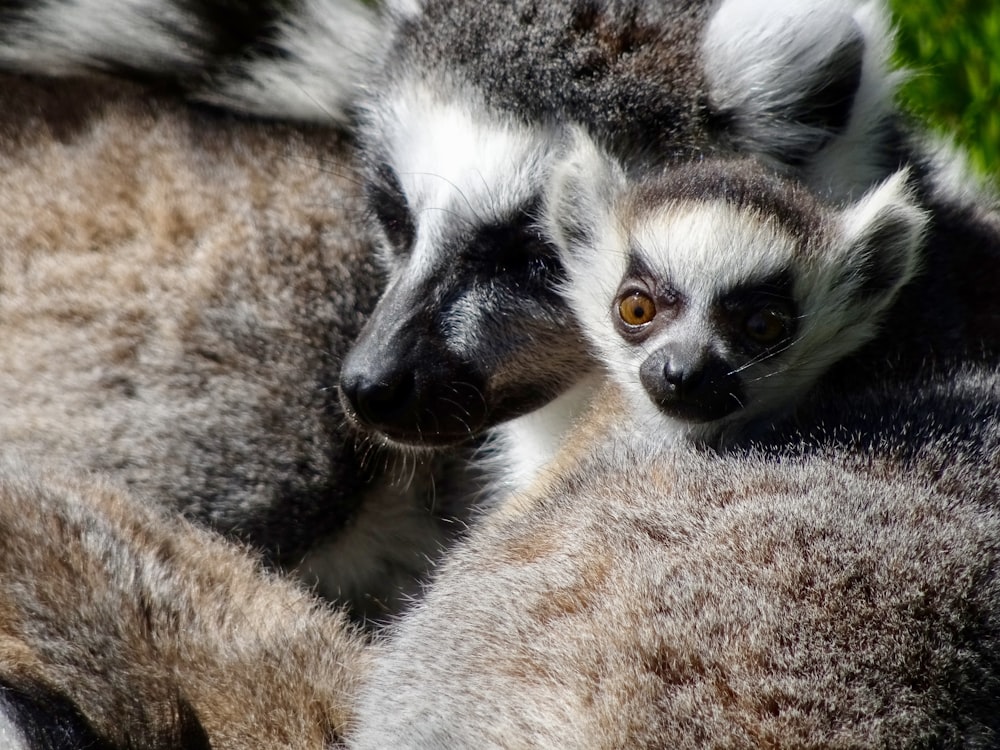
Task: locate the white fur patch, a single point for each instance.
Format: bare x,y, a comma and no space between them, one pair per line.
402,9
11,737
757,55
332,44
460,165
68,35
524,446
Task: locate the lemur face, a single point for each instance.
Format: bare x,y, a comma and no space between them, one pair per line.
707,312
699,359
717,294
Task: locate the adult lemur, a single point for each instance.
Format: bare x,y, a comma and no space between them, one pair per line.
836,587
215,386
179,286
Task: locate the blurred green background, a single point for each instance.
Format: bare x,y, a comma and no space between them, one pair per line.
952,48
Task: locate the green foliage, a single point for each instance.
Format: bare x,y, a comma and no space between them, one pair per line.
953,49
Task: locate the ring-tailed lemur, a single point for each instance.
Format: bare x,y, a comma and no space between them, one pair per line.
122,626
717,294
228,408
839,588
177,291
639,593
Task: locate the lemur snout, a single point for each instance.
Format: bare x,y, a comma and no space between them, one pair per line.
694,386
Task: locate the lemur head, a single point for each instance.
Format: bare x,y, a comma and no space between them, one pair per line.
457,143
717,293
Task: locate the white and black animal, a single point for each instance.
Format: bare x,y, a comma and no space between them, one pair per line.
717,294
833,585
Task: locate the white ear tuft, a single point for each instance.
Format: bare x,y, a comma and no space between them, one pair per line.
884,231
580,196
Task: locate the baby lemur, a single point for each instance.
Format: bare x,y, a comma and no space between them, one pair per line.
717,294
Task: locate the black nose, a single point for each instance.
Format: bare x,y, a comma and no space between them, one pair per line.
680,379
692,386
381,399
413,396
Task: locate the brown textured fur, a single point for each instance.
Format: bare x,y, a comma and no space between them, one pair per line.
141,618
177,289
842,594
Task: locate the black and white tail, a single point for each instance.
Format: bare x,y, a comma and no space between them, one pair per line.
293,59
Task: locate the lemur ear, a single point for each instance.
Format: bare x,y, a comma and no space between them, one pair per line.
580,195
793,80
885,232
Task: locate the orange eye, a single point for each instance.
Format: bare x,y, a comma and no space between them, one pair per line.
636,309
766,327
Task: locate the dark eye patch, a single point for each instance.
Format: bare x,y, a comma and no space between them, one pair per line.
387,202
515,248
745,303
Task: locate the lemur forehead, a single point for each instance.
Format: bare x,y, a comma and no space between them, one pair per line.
741,183
707,247
454,156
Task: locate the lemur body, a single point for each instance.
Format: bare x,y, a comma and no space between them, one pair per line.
177,291
459,133
838,591
124,626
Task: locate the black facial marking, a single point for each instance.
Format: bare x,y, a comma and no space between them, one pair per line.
516,250
387,202
737,306
691,384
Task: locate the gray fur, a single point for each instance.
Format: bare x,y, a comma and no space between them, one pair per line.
158,633
299,60
177,291
835,591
